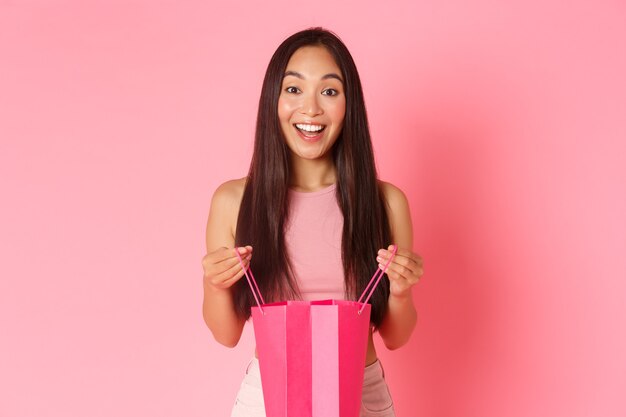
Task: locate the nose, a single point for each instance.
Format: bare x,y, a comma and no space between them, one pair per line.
310,105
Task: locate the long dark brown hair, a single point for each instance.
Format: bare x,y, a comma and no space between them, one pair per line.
265,206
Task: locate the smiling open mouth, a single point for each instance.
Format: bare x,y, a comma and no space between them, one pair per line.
309,130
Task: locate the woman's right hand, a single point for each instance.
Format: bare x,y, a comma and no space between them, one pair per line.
222,268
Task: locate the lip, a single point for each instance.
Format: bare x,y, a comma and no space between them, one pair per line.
310,139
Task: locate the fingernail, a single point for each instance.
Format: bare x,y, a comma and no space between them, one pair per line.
242,250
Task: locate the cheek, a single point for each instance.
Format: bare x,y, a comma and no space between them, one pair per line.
338,112
285,109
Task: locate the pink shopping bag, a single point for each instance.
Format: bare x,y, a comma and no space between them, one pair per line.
312,353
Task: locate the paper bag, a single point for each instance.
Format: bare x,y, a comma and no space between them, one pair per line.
312,353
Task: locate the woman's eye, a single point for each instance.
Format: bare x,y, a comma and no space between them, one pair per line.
332,91
291,89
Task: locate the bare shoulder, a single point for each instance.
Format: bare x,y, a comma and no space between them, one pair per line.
222,221
230,192
394,196
399,215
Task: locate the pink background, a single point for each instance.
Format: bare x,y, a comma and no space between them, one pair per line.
503,122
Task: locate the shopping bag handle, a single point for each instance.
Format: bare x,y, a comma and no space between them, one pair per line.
251,280
380,273
377,276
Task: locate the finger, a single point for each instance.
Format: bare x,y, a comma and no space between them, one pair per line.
230,281
408,262
398,269
393,276
400,251
419,273
389,251
404,280
411,261
225,253
234,263
397,282
222,267
412,274
226,278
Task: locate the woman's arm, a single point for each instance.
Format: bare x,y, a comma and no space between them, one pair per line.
403,272
221,266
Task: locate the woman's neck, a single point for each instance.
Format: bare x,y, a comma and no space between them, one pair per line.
309,175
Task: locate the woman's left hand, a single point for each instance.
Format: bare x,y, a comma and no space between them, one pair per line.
405,269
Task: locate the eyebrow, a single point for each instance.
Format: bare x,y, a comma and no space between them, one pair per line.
325,77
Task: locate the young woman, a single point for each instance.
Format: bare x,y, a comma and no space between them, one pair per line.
311,218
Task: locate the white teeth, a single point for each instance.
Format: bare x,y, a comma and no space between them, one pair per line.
309,128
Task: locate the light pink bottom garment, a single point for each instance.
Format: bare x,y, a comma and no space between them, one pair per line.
376,400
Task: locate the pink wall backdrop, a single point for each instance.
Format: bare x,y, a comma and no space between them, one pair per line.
503,122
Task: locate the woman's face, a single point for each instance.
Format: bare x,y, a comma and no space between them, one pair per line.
312,97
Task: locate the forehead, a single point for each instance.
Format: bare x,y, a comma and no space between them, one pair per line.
312,61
